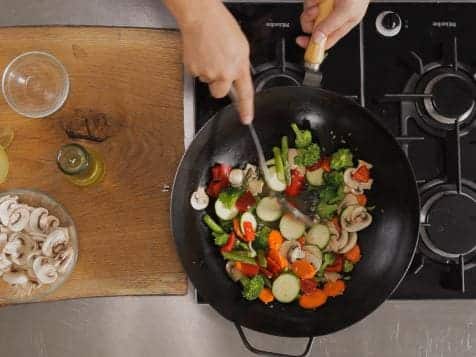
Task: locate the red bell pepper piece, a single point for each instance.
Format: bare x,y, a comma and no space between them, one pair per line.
362,174
230,243
245,201
219,180
337,266
297,183
249,234
249,270
324,163
308,285
215,187
266,272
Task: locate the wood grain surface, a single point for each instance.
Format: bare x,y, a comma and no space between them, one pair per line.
132,79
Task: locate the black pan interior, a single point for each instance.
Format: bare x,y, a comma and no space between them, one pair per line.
387,246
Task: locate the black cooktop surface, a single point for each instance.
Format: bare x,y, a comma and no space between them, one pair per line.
413,65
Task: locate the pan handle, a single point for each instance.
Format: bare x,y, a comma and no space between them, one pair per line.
268,353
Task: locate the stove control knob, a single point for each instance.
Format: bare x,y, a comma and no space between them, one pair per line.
388,23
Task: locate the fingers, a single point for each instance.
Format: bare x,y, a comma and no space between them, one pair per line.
332,23
310,3
337,35
245,97
308,17
220,88
302,41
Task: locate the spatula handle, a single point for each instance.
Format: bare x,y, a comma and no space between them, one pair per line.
314,54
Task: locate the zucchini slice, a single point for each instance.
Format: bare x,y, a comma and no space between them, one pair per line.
286,288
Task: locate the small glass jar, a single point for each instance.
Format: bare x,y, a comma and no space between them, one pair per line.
83,167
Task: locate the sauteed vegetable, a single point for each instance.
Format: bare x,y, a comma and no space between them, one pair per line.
269,252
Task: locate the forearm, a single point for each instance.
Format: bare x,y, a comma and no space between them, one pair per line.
190,11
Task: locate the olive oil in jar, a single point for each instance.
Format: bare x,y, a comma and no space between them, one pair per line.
83,167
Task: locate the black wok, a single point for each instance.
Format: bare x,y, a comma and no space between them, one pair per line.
387,245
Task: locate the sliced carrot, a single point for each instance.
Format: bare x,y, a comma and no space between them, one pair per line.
353,255
266,295
303,269
278,258
362,200
337,266
336,223
249,270
313,300
237,228
334,288
362,174
275,239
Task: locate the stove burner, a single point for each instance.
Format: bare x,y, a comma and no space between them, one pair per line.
453,97
277,78
448,219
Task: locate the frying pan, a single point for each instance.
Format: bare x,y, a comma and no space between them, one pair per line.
387,245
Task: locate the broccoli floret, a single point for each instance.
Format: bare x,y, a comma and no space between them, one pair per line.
229,196
261,238
334,178
308,156
348,266
303,137
341,159
252,287
328,259
325,210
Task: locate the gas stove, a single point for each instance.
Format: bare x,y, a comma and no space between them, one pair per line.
413,64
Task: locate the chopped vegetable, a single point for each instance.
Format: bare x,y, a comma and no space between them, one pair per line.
337,266
262,259
313,300
239,256
230,243
252,287
291,227
334,288
348,266
277,258
318,235
324,163
328,258
308,156
316,177
224,213
353,255
278,164
303,137
219,180
269,209
261,239
245,202
308,286
341,159
296,185
220,238
273,181
246,269
229,196
266,296
334,178
249,235
237,228
303,269
275,240
284,155
362,199
326,211
362,174
286,288
332,194
214,226
248,217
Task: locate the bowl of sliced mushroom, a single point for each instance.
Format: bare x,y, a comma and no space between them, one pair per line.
38,245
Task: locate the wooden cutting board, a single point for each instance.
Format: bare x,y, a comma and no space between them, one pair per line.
126,84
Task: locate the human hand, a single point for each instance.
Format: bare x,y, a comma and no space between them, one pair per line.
217,52
345,15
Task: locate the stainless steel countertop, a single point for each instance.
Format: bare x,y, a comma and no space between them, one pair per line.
177,326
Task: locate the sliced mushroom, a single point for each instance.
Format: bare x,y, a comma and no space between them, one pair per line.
15,278
332,246
5,263
5,208
287,247
64,260
55,242
364,163
31,256
19,218
332,276
44,270
17,248
36,215
295,254
350,244
236,177
233,273
349,200
48,223
255,186
348,180
3,240
355,218
342,240
315,261
366,185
